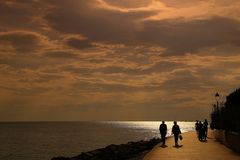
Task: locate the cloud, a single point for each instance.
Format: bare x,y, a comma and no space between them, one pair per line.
79,43
26,91
104,25
77,70
181,4
159,67
23,62
181,36
178,35
129,4
46,78
23,41
12,14
60,54
86,56
22,15
84,86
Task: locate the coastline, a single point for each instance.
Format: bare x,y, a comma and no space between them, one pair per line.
54,139
128,151
138,150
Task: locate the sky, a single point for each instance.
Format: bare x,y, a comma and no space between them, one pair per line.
74,60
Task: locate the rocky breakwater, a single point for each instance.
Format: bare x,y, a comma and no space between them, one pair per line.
128,151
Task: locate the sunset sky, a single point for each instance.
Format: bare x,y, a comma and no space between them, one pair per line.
70,60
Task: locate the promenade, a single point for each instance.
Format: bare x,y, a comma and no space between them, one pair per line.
192,149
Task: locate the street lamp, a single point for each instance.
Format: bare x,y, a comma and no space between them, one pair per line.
217,96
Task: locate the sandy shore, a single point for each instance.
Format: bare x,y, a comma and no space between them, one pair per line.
192,149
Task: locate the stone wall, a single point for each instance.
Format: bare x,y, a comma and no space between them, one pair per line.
229,139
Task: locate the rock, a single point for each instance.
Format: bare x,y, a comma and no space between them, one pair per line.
116,152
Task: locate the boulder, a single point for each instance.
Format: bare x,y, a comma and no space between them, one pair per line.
116,152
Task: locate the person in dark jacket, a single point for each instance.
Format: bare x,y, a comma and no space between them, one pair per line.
196,127
201,131
163,132
176,132
205,126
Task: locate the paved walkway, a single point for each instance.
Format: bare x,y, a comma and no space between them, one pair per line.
192,149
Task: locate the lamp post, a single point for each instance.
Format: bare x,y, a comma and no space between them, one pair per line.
217,112
217,96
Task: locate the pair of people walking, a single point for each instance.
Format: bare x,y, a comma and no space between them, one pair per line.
201,130
175,131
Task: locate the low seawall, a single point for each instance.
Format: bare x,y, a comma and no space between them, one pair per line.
229,139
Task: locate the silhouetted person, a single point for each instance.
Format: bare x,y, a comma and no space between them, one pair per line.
201,131
205,126
163,132
196,127
176,131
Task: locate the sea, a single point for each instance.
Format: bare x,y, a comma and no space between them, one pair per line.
44,140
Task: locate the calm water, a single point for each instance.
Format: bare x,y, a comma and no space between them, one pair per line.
44,140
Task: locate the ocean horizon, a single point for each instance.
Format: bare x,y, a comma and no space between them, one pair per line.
44,140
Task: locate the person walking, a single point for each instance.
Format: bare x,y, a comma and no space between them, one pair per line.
201,131
176,132
163,132
196,127
205,126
